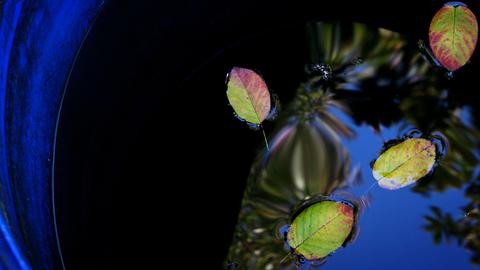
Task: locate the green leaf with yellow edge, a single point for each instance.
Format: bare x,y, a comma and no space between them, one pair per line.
321,229
404,163
248,94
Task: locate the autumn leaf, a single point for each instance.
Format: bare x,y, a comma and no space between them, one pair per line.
248,94
404,163
453,35
321,229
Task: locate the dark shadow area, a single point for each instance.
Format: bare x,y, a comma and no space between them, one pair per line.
140,113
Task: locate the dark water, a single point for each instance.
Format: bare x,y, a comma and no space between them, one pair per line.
363,86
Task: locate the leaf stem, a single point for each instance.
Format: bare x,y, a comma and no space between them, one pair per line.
371,186
265,137
285,258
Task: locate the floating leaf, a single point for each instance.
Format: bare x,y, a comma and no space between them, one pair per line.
248,94
404,163
321,229
453,35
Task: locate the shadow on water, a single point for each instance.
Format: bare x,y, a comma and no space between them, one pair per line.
380,79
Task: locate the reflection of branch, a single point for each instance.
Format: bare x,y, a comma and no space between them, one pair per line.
428,55
466,230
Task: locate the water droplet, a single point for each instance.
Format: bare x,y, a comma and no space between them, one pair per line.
227,77
232,265
238,117
310,69
357,61
421,44
252,125
449,75
258,230
320,69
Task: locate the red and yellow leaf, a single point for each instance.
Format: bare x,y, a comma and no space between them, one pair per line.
248,94
453,35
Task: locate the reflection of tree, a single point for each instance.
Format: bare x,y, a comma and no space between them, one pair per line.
398,85
394,85
306,159
466,230
379,79
458,169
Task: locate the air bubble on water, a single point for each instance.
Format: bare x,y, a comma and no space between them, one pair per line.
232,265
449,75
253,126
311,69
421,44
357,61
320,69
238,117
227,77
258,230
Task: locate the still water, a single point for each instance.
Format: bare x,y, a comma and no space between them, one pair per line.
363,88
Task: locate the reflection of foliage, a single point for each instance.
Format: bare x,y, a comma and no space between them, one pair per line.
306,159
458,169
441,226
396,84
466,230
431,109
458,166
379,79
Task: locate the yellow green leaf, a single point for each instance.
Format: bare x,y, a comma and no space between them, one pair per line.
248,94
321,229
404,163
